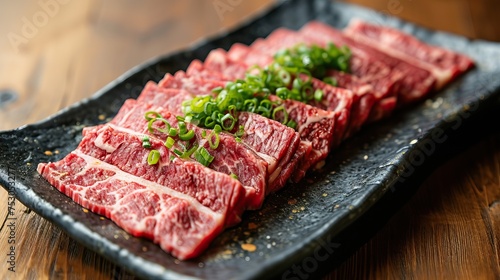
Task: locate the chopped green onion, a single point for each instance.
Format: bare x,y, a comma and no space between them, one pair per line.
264,111
217,128
145,142
291,124
314,59
250,104
228,122
153,157
289,76
284,113
307,90
198,103
318,95
169,143
214,144
284,76
297,84
217,89
182,127
209,108
148,114
234,176
162,130
187,136
266,103
209,122
330,80
283,92
203,156
189,152
172,132
240,132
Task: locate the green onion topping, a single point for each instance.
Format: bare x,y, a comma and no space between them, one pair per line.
149,113
187,136
169,143
203,156
145,142
152,129
289,77
314,59
213,143
153,157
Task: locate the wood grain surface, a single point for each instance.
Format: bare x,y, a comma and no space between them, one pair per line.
54,53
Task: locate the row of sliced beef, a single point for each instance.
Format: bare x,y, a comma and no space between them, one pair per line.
181,204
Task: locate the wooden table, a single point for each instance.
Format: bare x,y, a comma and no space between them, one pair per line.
54,55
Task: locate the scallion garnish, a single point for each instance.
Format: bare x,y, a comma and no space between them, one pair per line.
214,144
291,124
240,132
169,143
189,152
152,129
280,114
228,122
145,142
330,80
182,127
217,128
178,152
203,156
172,132
318,95
289,77
187,136
153,157
314,59
148,116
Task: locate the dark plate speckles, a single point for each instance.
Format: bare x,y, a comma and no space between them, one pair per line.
295,221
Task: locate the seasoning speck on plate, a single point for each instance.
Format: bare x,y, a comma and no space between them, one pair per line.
252,226
248,247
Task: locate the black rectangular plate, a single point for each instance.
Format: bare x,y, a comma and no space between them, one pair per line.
299,220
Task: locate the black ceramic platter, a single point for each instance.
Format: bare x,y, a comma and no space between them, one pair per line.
295,225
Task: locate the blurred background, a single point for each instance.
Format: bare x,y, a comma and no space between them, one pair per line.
69,49
470,18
